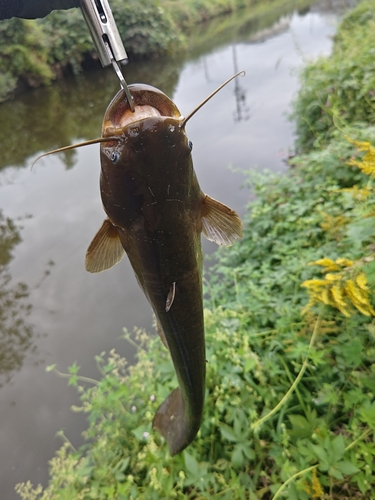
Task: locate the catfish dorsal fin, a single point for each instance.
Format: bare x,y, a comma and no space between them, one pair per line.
105,250
220,223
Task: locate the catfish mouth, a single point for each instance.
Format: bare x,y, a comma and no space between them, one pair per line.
148,102
140,113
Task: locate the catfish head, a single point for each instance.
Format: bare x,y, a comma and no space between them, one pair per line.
147,158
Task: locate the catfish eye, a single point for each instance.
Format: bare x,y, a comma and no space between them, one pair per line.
190,144
115,156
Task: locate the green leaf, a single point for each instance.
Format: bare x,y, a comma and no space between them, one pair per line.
228,433
191,464
352,352
250,363
369,269
141,432
334,472
120,476
338,448
248,451
86,468
74,368
301,427
367,414
320,452
237,458
347,467
361,232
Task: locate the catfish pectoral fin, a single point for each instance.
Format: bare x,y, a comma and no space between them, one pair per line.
174,425
105,250
220,223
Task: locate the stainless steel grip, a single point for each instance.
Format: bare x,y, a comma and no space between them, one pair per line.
103,30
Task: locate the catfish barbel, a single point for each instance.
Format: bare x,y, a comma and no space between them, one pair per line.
156,212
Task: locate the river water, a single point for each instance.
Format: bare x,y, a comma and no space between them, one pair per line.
51,310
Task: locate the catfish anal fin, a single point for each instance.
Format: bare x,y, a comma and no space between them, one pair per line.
220,223
105,250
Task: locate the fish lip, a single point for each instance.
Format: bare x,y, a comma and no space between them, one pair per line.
119,115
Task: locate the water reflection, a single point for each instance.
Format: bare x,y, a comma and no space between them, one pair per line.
242,111
16,335
55,116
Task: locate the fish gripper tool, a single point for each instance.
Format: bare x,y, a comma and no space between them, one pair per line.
106,37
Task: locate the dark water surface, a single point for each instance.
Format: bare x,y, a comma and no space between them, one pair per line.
51,309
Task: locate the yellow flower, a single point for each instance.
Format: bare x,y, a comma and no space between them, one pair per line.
333,224
367,163
326,297
333,277
361,145
338,295
359,298
361,281
360,194
325,262
316,486
344,262
340,302
314,283
338,290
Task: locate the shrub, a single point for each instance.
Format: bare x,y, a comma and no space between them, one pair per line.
23,51
339,89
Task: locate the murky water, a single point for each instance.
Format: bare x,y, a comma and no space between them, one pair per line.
51,309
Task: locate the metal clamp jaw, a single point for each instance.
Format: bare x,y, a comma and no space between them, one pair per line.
106,38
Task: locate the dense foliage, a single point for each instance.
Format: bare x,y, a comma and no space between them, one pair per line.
36,52
290,331
339,89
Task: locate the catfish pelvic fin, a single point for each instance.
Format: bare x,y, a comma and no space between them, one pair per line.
170,297
220,223
105,250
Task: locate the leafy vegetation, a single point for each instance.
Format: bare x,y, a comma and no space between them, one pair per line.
340,89
36,52
290,332
290,394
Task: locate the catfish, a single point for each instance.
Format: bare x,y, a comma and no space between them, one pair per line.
156,213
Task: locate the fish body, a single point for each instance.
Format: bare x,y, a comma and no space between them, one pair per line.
156,213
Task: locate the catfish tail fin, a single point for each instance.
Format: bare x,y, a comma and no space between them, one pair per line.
175,423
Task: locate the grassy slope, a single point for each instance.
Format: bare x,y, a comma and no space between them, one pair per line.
339,89
262,340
